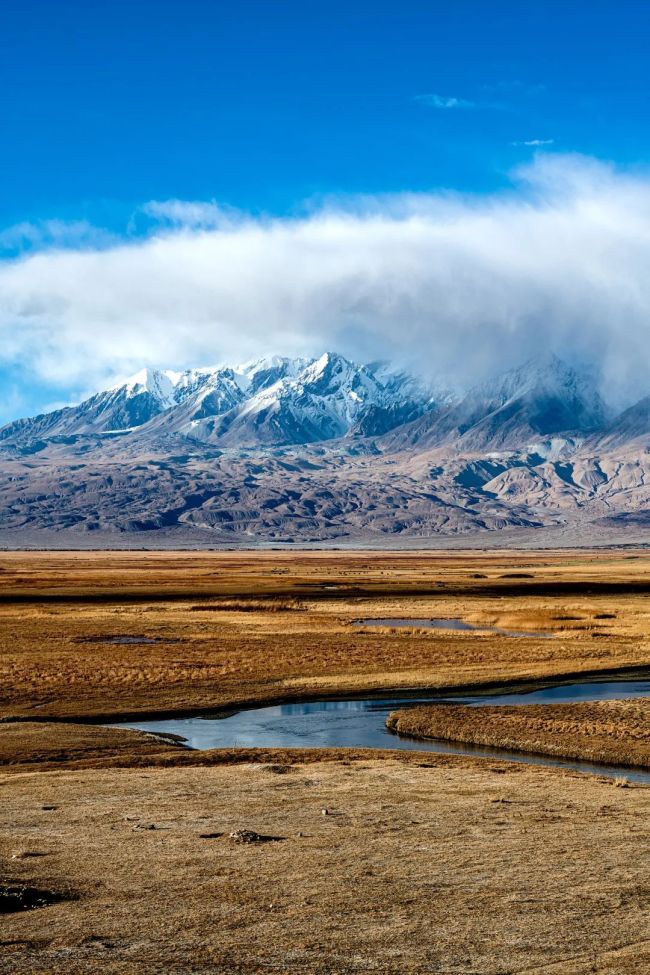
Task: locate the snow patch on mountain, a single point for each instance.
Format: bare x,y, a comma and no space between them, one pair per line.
273,400
538,400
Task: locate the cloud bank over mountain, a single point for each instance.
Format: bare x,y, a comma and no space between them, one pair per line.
448,284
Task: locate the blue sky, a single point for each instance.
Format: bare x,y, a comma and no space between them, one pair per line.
275,108
263,104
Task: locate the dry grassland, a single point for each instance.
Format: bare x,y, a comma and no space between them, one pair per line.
423,863
451,867
234,629
608,732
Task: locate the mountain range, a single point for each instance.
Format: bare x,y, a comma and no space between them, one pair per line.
272,401
326,450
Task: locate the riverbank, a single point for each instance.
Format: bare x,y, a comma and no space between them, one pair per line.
607,732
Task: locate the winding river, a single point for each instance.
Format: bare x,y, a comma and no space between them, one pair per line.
360,722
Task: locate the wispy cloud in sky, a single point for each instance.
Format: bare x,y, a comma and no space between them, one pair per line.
534,142
188,213
27,235
459,284
447,102
444,101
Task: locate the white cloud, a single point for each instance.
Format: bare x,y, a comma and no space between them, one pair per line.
52,233
459,284
443,101
534,142
187,213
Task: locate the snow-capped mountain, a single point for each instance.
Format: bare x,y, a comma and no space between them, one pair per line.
542,398
271,401
310,450
145,395
327,399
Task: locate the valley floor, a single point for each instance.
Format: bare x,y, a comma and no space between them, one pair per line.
437,866
420,863
573,535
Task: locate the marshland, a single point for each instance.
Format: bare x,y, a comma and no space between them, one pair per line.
410,860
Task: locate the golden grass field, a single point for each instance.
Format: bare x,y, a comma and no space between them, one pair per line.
427,863
608,732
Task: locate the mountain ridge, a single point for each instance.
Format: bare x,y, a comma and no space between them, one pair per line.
327,450
274,400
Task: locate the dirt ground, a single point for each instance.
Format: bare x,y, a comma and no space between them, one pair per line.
422,863
448,867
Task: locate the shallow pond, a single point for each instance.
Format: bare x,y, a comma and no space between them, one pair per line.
446,624
360,723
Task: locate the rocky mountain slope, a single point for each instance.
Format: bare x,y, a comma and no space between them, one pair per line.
272,401
326,450
542,398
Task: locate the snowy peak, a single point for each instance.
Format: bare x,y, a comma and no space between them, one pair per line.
330,370
349,387
124,407
323,400
561,398
159,385
541,398
544,376
262,373
278,400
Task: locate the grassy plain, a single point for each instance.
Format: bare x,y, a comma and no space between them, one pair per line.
436,866
423,863
608,732
240,628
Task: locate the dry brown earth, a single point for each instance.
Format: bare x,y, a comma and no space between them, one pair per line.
451,867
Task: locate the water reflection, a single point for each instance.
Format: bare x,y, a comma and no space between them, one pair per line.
361,723
446,624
